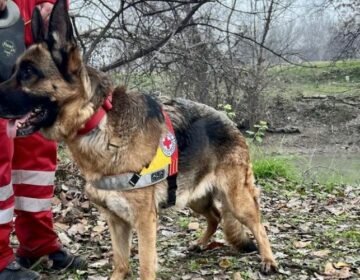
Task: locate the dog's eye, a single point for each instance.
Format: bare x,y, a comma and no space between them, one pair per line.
26,73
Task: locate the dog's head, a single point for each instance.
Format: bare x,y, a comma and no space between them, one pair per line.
49,80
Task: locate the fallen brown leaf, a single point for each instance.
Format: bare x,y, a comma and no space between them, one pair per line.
321,253
301,244
224,263
329,269
345,273
193,226
237,276
62,226
213,245
99,264
99,228
341,265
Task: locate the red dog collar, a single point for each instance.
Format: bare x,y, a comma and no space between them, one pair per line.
97,117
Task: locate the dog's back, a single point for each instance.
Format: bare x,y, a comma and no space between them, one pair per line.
207,139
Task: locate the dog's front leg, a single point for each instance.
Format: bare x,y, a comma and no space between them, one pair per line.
120,232
146,229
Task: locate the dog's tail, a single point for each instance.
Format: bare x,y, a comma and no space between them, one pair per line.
235,233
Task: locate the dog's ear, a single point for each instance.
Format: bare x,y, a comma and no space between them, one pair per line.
61,41
60,28
37,27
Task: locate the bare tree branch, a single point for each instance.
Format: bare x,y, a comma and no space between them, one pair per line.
156,45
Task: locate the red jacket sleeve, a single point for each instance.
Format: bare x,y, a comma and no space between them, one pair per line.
38,2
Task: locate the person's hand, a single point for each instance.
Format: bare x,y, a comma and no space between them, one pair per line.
2,5
45,11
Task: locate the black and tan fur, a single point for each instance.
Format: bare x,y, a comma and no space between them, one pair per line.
214,161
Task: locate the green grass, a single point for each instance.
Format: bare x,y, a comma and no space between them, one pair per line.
335,220
267,166
193,265
321,71
351,235
322,78
184,222
273,167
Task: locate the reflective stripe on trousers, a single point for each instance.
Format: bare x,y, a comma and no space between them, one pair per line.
28,184
6,215
6,203
38,178
32,204
6,192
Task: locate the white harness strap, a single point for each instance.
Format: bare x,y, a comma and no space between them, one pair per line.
130,181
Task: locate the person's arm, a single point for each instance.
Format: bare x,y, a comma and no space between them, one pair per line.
38,2
2,5
45,7
45,11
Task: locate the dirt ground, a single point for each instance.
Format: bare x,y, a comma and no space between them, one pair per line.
325,123
315,234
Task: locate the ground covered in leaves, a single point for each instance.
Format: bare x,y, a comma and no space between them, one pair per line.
314,231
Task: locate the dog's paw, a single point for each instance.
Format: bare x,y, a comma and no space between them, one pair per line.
196,247
268,266
248,247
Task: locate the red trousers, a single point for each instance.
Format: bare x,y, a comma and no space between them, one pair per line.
27,171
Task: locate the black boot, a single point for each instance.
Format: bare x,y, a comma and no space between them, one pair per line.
64,260
15,272
61,260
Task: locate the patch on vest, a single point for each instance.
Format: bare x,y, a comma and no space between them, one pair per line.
9,48
168,144
157,176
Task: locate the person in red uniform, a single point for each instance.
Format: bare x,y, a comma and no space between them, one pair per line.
27,171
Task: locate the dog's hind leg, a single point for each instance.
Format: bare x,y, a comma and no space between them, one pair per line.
241,199
213,217
120,232
235,233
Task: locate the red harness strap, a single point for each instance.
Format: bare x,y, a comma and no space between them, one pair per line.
97,117
173,168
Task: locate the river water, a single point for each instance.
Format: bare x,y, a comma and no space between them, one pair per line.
338,167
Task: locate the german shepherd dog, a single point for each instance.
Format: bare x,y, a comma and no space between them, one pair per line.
51,90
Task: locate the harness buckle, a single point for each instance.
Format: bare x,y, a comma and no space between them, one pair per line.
134,179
